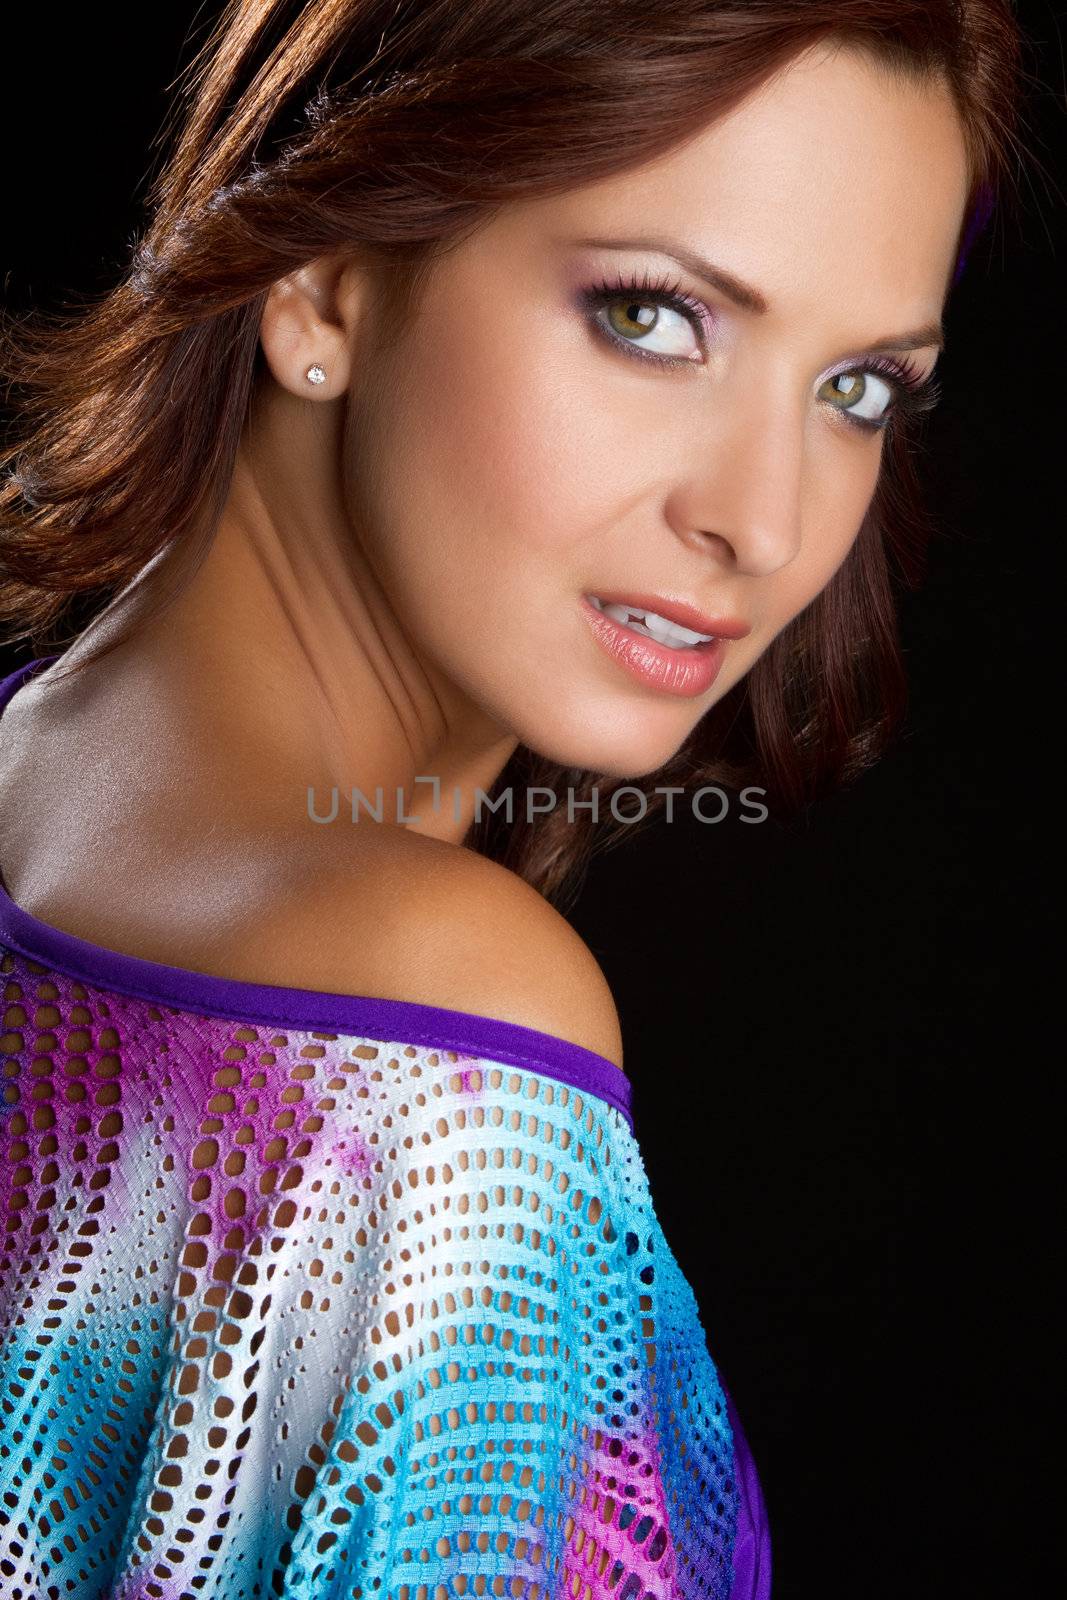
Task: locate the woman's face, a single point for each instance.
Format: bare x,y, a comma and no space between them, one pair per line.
525,451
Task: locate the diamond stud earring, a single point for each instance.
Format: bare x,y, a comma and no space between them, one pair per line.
316,375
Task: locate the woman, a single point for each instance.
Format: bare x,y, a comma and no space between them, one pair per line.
499,403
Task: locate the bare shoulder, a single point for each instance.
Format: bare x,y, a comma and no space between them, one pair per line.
445,926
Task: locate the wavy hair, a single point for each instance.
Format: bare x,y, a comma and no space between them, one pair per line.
391,129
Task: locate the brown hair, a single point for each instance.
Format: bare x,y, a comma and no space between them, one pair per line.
393,129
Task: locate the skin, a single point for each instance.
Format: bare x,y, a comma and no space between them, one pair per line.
394,586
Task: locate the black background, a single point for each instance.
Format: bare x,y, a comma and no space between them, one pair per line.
840,1031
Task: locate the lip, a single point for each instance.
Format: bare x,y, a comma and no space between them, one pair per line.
687,673
679,611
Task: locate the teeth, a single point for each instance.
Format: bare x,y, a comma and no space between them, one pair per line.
653,626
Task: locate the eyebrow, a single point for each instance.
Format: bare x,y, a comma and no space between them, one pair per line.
750,299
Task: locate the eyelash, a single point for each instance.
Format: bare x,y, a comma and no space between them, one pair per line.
914,394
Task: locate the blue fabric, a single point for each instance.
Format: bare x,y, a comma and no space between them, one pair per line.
299,1310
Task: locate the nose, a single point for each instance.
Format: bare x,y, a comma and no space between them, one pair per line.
742,498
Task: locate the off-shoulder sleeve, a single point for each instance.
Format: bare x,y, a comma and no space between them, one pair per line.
294,1314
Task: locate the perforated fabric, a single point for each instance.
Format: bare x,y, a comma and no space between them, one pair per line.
319,1295
288,1312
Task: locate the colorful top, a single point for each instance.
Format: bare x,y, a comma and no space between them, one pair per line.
317,1295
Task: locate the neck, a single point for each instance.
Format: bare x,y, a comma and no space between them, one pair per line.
283,652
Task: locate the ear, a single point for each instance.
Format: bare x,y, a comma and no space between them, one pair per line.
310,322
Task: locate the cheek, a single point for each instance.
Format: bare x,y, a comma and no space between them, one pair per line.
839,491
508,453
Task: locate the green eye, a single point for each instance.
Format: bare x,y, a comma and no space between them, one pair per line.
632,318
648,321
669,333
848,391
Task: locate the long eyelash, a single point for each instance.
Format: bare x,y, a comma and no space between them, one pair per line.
663,291
914,393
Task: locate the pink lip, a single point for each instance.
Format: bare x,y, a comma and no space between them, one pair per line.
679,611
686,673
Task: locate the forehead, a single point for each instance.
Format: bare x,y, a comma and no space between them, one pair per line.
837,179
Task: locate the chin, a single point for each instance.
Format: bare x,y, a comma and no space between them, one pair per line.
618,753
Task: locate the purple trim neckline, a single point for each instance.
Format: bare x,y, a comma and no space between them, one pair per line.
365,1016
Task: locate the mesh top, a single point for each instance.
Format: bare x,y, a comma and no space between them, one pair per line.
314,1295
